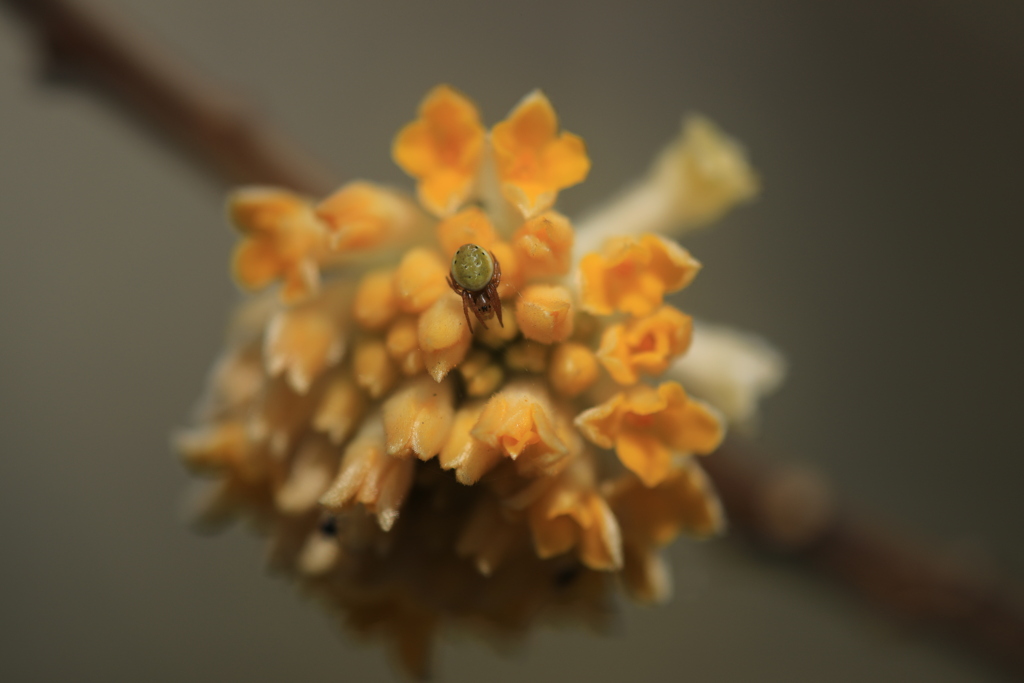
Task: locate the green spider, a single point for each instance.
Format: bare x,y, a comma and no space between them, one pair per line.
475,277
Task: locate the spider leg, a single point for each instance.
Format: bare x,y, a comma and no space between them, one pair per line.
492,288
492,292
479,315
465,312
496,277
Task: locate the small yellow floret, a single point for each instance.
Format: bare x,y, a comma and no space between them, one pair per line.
573,515
375,302
418,417
684,502
467,455
469,226
282,239
443,335
420,279
544,313
533,160
340,410
442,149
645,344
370,476
517,418
374,370
497,336
633,274
362,215
402,342
304,340
646,426
511,272
481,374
544,245
527,355
572,370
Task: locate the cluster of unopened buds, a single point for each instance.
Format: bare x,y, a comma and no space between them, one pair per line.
463,411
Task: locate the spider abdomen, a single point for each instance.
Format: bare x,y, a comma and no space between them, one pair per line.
472,267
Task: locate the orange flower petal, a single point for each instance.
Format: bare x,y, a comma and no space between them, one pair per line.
373,368
255,264
644,454
340,410
687,424
402,342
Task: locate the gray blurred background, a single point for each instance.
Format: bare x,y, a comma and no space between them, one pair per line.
882,259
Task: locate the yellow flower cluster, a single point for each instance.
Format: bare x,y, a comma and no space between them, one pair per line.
414,470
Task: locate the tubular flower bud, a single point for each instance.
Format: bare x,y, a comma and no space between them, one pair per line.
544,245
517,365
375,302
544,313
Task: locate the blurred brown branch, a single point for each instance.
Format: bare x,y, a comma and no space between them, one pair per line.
778,508
82,39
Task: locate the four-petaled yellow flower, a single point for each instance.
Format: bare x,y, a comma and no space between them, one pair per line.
283,241
633,274
533,161
645,344
648,427
442,149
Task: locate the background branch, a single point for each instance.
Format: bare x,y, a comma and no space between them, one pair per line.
85,41
779,509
